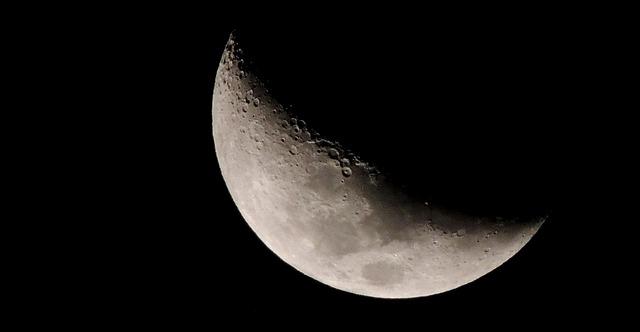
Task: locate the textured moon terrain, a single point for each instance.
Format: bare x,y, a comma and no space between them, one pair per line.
334,216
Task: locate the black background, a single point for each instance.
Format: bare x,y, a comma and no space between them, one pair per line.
174,248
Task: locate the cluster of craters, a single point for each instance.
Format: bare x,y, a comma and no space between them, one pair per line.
235,74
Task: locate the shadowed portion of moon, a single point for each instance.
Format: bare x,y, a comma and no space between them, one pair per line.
334,215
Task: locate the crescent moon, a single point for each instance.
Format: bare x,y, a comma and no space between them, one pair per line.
334,216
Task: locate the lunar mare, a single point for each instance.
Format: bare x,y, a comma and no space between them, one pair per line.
332,215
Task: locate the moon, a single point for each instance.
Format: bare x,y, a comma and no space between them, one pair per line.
334,216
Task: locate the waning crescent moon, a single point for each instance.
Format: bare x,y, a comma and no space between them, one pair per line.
332,215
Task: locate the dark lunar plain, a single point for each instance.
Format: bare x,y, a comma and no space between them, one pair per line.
491,114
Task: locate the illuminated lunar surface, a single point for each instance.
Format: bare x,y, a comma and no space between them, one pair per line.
332,215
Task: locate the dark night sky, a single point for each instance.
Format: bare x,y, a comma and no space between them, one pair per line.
123,219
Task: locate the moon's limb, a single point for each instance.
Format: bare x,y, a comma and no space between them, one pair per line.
333,216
